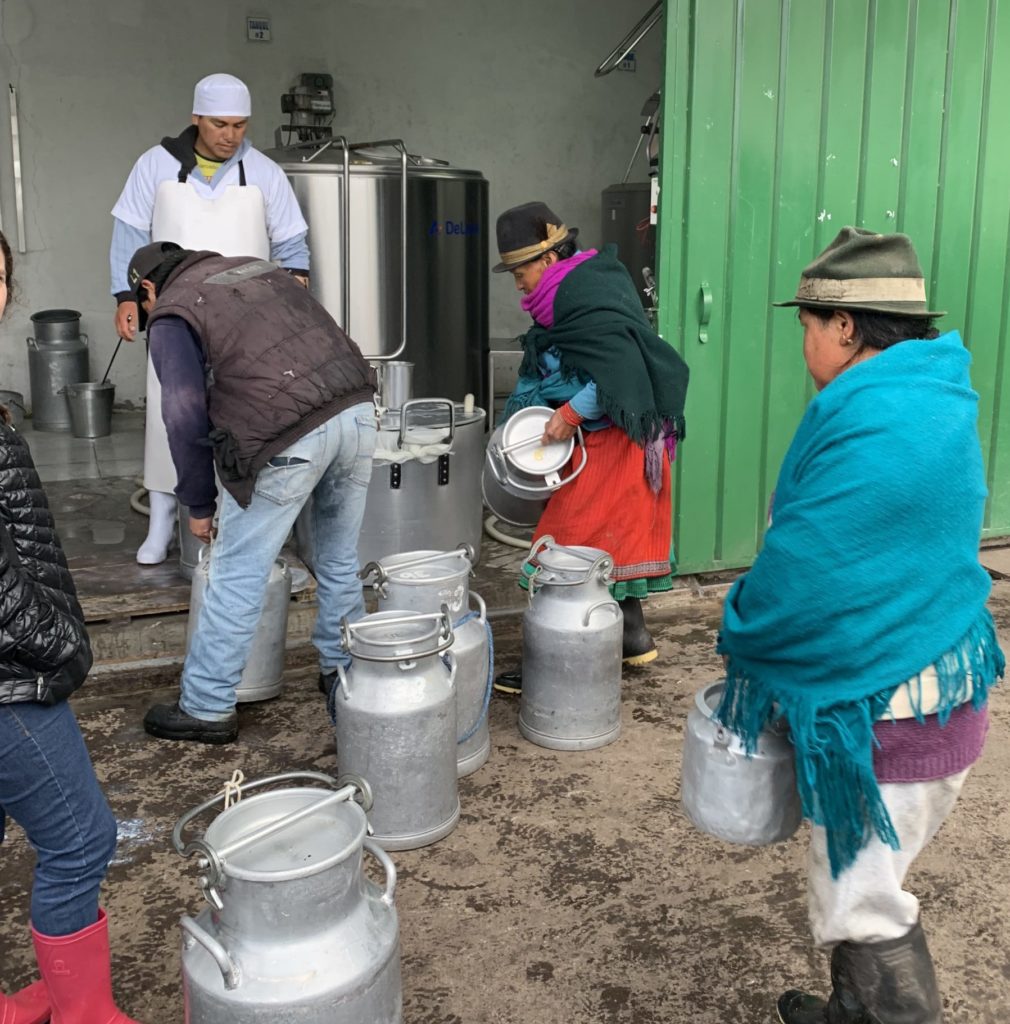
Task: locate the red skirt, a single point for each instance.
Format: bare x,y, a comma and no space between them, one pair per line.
611,506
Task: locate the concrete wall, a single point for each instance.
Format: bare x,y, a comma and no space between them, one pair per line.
506,88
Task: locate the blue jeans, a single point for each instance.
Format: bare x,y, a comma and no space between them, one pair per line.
332,465
47,785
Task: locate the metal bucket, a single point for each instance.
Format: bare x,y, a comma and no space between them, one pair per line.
90,408
395,715
427,581
263,675
572,640
295,931
14,403
395,383
751,800
57,356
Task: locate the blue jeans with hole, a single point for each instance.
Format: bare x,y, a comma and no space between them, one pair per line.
47,785
332,465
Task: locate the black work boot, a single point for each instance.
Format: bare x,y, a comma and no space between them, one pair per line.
327,680
890,982
895,979
842,1006
509,683
639,648
170,722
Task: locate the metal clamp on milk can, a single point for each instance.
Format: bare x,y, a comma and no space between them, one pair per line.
425,581
743,798
295,931
395,715
520,474
263,675
572,639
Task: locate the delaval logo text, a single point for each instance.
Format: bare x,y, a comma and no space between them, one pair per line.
453,227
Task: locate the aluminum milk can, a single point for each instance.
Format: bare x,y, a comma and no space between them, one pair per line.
57,356
263,675
395,713
572,641
750,800
295,933
424,581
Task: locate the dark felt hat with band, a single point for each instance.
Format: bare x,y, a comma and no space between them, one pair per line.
863,270
526,232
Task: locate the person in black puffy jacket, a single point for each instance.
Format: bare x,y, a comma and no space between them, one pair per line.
47,783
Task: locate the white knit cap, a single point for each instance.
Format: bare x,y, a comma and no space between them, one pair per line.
221,96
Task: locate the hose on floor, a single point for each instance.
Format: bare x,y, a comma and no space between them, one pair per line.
137,503
490,528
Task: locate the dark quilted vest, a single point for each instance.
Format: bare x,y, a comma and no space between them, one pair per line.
44,649
277,363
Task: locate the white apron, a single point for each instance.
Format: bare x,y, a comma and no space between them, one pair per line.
233,224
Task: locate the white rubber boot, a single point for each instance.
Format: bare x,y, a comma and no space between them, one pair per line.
159,532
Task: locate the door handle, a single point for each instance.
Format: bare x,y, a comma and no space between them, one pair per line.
704,311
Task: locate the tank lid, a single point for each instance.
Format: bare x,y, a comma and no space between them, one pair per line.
364,161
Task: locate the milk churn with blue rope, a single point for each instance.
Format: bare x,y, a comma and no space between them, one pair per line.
424,581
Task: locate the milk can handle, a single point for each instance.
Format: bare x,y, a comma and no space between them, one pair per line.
387,866
229,969
442,633
342,682
599,604
481,606
453,665
84,338
187,849
382,573
547,488
427,401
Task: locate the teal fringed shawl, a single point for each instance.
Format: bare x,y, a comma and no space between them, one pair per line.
868,575
602,334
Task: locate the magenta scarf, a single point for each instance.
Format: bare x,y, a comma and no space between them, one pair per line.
540,302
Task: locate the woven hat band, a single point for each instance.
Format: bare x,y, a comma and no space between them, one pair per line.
862,289
555,233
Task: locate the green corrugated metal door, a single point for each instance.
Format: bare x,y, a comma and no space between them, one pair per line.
785,120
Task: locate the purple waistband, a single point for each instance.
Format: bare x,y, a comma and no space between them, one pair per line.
914,751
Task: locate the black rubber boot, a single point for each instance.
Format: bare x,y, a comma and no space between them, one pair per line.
639,647
842,1006
894,980
509,683
889,982
327,680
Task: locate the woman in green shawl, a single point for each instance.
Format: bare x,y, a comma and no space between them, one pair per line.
592,355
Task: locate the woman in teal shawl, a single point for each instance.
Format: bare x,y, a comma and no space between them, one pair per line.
863,621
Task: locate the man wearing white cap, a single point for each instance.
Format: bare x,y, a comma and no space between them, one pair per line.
208,188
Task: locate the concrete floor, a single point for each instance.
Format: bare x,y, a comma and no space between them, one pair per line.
573,889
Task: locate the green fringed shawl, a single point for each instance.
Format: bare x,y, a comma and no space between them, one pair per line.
602,334
868,575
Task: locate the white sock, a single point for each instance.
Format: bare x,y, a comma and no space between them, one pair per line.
159,532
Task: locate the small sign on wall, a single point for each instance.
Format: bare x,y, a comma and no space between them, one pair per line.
629,63
258,30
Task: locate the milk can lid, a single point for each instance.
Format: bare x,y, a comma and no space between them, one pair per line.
306,847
